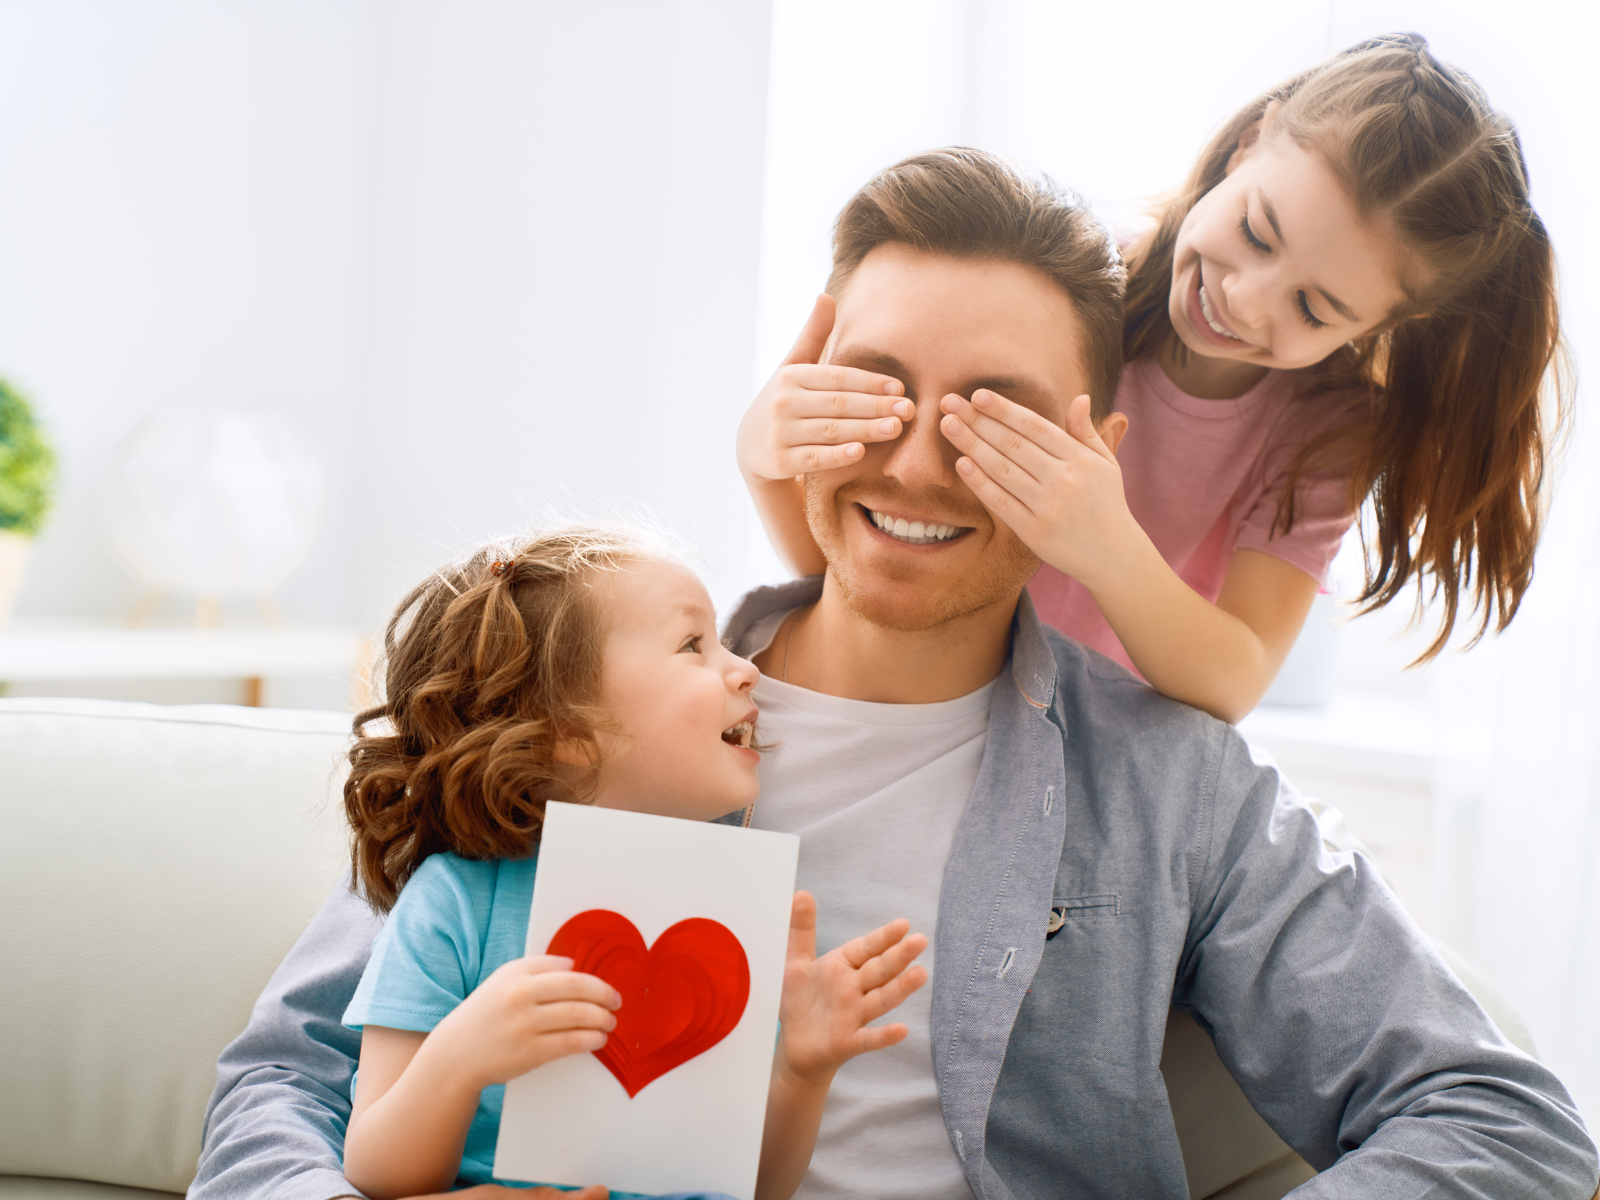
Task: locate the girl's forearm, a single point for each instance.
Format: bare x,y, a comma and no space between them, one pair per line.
409,1142
794,1114
1185,646
781,505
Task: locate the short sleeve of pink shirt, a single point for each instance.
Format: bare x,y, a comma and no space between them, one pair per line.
1204,478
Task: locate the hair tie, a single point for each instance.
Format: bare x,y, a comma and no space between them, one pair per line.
500,569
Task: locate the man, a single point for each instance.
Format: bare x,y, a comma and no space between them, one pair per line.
1085,854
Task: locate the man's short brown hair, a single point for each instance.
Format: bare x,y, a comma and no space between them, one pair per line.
973,204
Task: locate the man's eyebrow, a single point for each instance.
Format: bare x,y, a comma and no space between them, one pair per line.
868,359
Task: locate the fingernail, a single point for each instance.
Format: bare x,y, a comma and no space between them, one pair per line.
893,387
981,399
854,450
964,465
887,425
902,409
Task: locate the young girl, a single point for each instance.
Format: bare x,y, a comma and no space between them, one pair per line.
581,666
1351,297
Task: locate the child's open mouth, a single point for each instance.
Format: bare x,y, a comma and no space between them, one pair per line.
740,734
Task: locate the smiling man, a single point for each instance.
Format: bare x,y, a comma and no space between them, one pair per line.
1087,856
1085,853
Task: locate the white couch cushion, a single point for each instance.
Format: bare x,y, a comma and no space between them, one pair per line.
156,864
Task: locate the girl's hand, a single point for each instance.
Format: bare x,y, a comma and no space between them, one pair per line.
529,1012
1059,490
828,1001
813,418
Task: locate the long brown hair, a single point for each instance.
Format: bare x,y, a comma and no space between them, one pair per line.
488,664
1463,401
973,204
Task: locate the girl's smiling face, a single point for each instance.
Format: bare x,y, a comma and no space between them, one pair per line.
1275,267
681,698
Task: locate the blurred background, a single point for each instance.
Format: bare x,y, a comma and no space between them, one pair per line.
308,295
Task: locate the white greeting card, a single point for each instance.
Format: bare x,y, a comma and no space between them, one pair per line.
690,921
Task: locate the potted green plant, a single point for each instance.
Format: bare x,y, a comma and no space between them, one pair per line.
27,482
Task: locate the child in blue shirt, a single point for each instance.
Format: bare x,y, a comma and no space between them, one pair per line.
581,666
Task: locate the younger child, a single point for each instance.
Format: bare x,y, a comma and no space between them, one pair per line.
1350,299
581,666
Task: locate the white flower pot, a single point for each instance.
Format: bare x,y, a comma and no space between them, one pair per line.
14,550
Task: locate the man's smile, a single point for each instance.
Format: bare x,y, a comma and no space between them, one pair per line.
912,530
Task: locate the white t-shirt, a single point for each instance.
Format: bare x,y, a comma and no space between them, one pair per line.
875,792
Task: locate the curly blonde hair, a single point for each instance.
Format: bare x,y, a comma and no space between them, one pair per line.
488,664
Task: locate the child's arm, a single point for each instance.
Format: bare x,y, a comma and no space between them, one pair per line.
416,1093
1061,492
811,418
827,1004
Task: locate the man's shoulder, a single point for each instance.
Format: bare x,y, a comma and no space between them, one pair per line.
1103,695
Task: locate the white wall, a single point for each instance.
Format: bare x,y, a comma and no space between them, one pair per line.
492,254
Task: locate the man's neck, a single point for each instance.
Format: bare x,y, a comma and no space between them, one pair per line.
831,648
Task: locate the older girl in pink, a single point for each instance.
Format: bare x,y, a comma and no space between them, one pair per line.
1350,299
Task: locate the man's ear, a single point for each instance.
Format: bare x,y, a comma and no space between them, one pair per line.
1112,430
1251,137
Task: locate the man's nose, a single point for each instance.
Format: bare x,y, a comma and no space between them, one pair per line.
922,457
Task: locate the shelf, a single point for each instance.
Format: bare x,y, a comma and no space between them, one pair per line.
59,651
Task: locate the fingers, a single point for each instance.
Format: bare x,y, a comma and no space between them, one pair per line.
893,994
813,391
813,337
1080,424
878,971
877,1037
1023,441
857,951
803,927
1005,507
550,986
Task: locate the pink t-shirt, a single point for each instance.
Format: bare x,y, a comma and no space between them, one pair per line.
1203,478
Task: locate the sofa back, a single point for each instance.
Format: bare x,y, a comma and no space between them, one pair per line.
156,863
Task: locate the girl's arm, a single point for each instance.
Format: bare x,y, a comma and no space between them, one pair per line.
811,418
824,1014
416,1093
1061,492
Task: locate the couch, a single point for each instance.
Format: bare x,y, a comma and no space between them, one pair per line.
157,863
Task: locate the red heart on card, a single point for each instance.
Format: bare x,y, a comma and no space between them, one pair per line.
680,997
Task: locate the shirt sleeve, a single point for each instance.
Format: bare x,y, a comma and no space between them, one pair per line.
276,1121
429,954
1320,521
1347,1031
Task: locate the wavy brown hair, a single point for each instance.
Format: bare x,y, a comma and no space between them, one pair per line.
973,204
487,665
1465,388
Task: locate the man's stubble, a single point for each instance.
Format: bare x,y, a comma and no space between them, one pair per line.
1006,572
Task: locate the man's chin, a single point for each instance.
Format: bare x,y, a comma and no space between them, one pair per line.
908,598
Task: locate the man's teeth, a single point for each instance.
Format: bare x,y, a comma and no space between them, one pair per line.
739,735
915,532
1211,318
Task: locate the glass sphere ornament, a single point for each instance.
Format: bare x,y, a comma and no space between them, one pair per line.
214,504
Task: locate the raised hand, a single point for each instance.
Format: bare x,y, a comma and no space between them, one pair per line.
530,1011
829,1002
813,418
1059,490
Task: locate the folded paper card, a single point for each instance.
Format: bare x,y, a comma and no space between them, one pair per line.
689,921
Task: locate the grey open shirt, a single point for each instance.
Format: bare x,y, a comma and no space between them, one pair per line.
1182,872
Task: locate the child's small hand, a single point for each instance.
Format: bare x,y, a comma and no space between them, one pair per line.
813,418
1059,490
529,1012
828,1001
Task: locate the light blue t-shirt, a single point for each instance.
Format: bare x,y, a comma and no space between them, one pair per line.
456,921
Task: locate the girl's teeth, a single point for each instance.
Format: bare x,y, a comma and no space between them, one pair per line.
1211,320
